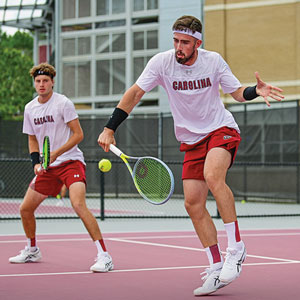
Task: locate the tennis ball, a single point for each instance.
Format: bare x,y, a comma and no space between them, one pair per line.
104,165
243,201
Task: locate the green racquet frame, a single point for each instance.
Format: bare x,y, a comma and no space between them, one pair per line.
152,178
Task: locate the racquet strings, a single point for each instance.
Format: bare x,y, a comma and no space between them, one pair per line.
153,179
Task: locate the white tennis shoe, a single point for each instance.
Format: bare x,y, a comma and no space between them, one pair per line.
26,256
103,263
211,282
233,264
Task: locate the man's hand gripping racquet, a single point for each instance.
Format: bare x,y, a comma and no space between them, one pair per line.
152,177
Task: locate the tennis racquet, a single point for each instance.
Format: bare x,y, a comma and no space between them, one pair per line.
152,177
46,153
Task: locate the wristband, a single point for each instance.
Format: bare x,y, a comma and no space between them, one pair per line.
117,117
250,93
35,158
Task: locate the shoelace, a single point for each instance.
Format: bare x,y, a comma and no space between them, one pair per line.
25,250
103,257
207,272
229,255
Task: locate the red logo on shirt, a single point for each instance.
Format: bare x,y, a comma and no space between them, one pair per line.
42,120
192,84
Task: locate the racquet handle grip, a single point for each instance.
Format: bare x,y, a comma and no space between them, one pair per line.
39,170
115,150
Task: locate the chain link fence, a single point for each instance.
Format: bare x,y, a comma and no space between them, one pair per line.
259,189
264,178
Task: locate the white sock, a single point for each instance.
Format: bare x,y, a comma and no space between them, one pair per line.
99,247
233,235
31,244
214,257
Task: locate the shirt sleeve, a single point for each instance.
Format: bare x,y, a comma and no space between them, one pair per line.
69,111
228,81
150,77
27,126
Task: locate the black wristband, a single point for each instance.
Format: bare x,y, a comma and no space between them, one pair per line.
250,93
35,158
117,117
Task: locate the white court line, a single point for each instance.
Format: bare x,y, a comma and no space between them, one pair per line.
130,240
198,249
49,240
127,240
219,235
148,237
161,231
136,270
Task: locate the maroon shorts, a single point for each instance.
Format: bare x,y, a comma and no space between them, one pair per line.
50,182
195,154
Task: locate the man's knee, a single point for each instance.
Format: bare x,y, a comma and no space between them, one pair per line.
80,208
194,209
26,210
213,181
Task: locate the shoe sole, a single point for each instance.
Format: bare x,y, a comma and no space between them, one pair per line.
208,293
25,262
204,294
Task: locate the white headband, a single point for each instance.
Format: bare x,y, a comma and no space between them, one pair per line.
196,34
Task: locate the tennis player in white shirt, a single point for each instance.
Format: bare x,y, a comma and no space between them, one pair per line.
54,115
208,134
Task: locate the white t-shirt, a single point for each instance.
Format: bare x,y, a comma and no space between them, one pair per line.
51,119
193,92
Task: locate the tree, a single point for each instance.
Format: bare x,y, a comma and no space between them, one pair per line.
16,88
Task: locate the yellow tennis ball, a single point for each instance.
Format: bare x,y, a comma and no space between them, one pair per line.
104,165
243,201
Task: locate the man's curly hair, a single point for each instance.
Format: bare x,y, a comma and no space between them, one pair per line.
43,69
188,22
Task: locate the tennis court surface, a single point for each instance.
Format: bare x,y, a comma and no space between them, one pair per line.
148,265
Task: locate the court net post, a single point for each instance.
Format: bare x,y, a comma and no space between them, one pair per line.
102,204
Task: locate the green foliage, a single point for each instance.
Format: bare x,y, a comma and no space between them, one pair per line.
16,88
20,40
